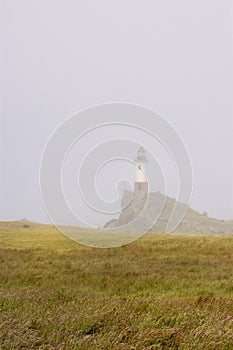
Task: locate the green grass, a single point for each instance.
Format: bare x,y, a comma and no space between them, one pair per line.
160,292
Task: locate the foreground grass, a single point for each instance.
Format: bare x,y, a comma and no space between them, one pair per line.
160,292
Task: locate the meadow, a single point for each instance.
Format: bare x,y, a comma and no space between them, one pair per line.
159,292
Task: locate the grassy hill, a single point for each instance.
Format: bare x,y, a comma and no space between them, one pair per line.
160,292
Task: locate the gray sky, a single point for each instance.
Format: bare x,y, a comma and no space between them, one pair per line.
59,57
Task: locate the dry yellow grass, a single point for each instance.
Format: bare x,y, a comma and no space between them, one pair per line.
160,292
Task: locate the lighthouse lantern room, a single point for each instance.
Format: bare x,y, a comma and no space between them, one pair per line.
141,183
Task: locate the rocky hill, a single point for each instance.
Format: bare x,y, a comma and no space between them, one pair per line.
134,218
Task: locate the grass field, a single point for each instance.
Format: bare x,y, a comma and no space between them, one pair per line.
160,292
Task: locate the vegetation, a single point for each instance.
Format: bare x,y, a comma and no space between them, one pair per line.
160,292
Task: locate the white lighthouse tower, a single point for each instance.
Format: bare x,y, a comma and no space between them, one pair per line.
141,183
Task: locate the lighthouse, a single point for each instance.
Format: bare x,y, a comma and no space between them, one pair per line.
141,183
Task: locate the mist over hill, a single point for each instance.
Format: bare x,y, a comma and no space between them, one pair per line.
161,207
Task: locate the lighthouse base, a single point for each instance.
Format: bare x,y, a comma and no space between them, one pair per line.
141,186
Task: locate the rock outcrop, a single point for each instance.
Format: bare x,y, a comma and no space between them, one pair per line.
150,213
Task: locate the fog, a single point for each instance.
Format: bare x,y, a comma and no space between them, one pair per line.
61,57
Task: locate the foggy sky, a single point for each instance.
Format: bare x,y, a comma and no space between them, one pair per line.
59,57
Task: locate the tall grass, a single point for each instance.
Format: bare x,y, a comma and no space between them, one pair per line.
160,292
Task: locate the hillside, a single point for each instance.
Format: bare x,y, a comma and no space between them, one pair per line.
193,222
